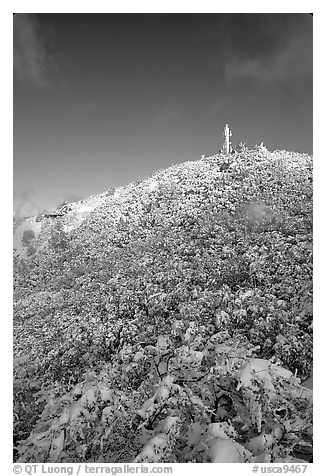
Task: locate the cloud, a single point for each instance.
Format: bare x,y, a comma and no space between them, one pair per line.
28,203
25,204
32,59
281,52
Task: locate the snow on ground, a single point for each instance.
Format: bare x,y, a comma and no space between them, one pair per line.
71,220
80,211
153,185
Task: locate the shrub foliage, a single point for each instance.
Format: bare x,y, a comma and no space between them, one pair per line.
175,323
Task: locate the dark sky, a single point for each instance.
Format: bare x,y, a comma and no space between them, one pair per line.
101,100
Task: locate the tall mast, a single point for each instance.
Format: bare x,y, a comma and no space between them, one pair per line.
227,142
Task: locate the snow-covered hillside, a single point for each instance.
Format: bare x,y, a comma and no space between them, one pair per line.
170,320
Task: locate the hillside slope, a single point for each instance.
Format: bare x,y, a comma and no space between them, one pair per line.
206,265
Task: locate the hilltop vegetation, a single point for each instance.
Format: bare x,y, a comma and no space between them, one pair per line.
174,322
